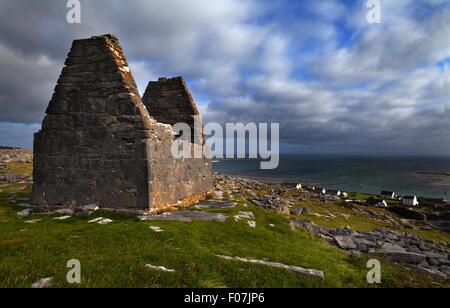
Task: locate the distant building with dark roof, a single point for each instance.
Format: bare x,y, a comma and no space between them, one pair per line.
376,202
410,200
388,195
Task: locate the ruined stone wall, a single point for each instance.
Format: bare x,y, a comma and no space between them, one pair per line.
169,101
176,179
98,143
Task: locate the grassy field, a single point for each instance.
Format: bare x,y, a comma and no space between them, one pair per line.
18,168
115,255
360,196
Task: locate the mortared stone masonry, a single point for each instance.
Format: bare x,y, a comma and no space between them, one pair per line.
99,144
169,101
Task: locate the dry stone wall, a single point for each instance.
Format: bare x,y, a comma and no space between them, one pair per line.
99,145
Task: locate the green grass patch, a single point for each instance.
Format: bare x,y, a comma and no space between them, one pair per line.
18,168
115,255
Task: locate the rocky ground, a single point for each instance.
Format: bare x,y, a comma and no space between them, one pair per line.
15,155
419,253
422,254
9,173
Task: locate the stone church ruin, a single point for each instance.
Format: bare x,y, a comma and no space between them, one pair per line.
100,144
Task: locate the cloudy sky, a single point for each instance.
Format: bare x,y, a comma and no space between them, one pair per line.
334,82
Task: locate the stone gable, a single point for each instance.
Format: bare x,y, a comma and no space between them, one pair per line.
169,101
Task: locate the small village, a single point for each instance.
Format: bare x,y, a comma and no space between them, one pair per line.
382,200
410,207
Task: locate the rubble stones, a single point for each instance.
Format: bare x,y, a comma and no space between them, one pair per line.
251,223
90,208
15,155
12,177
24,213
300,210
273,203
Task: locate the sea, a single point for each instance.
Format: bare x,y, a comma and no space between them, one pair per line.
364,174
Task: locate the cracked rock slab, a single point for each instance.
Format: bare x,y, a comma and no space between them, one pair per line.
159,268
251,223
100,221
95,220
156,229
345,242
297,211
43,283
215,205
33,221
65,211
62,217
311,273
24,213
90,208
401,256
245,215
104,221
186,216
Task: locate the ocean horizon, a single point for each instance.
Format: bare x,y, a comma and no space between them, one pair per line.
405,175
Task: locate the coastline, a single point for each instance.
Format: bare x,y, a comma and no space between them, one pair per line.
363,175
280,181
433,173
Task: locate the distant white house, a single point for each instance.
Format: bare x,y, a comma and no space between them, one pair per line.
388,195
410,200
382,203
